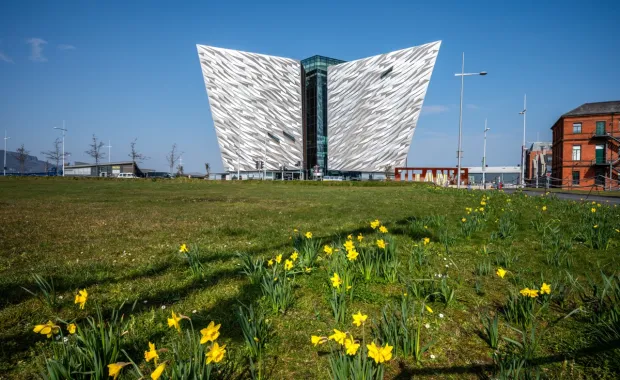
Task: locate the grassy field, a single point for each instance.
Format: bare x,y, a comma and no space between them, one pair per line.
120,240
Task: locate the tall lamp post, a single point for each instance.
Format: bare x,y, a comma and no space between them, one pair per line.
459,153
523,146
4,166
63,129
109,151
484,155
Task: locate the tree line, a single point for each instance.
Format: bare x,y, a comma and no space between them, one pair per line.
97,154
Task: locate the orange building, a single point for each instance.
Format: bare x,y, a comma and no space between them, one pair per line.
586,143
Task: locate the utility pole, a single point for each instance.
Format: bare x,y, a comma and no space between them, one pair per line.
63,129
484,155
5,138
109,151
523,146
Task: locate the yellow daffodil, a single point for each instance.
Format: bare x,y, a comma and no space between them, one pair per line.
426,227
151,353
216,353
71,327
114,369
308,235
352,255
545,288
158,371
81,298
350,237
483,203
308,269
593,209
501,272
598,205
427,240
348,245
428,308
338,336
279,258
527,292
374,224
174,321
288,264
381,243
595,226
336,281
383,230
351,346
295,230
210,333
379,354
481,209
183,248
359,318
316,340
463,220
294,256
328,250
617,230
544,208
49,329
349,287
270,262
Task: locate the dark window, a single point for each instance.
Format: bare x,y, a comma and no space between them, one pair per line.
576,127
600,176
575,178
600,127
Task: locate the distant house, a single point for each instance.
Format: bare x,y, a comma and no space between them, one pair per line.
107,169
538,159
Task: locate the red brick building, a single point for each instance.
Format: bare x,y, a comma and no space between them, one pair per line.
586,143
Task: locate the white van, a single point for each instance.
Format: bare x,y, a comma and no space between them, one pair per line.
126,175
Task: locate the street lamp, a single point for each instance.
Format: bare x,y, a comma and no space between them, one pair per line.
5,138
63,129
484,155
459,153
523,146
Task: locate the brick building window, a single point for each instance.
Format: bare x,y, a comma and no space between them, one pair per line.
600,127
576,127
575,178
576,152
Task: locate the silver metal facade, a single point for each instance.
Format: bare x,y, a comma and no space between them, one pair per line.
373,107
256,106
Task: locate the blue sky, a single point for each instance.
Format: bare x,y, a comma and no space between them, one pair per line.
129,69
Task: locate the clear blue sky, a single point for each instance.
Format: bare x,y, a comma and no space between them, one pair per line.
127,69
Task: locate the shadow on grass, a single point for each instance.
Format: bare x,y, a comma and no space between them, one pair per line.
482,370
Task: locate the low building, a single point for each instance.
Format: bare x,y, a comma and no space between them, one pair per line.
586,143
107,169
507,175
538,160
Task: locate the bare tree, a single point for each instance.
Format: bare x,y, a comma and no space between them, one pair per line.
388,172
96,153
22,156
135,155
207,170
173,157
55,155
180,170
46,167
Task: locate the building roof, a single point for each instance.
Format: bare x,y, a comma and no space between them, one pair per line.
539,146
595,109
86,165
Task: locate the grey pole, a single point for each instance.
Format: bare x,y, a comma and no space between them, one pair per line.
484,155
4,166
523,146
459,153
63,129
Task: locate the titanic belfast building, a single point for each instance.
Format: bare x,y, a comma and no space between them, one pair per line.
283,118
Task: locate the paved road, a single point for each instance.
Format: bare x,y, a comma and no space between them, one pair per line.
573,197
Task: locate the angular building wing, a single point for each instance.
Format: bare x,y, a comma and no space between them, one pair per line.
256,104
373,105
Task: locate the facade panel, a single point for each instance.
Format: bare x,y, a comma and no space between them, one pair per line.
256,106
373,107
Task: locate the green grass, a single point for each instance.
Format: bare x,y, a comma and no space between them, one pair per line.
119,239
